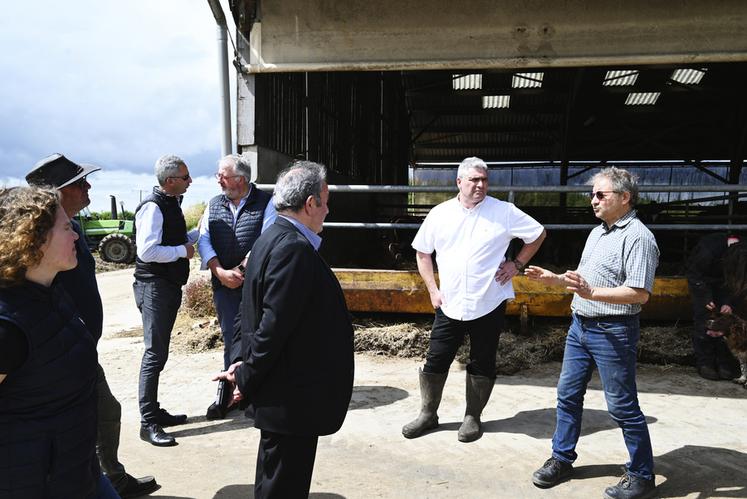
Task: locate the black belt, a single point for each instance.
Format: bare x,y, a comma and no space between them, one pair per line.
607,318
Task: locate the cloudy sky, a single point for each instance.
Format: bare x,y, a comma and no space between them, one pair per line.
116,84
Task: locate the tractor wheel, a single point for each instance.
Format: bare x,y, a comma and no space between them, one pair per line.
117,248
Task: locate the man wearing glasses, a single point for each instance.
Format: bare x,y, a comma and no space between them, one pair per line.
230,226
164,248
614,278
470,234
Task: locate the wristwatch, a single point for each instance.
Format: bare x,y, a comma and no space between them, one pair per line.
519,264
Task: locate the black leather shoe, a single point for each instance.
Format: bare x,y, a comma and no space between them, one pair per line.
136,487
552,473
154,434
708,372
631,487
165,419
215,411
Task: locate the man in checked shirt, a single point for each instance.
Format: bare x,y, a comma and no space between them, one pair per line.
614,278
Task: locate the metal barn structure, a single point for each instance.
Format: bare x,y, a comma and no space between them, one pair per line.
381,92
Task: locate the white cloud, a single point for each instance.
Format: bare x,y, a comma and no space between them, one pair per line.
130,188
112,83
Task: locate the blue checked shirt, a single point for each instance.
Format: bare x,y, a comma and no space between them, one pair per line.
624,254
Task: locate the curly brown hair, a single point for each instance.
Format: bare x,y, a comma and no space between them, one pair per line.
27,215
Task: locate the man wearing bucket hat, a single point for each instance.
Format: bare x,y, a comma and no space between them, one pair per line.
70,179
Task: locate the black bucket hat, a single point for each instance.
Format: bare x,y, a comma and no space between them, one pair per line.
58,171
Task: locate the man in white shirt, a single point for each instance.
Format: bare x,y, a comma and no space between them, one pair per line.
231,224
164,248
470,235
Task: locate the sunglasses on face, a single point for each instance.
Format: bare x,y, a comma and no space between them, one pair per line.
220,176
80,182
185,177
600,194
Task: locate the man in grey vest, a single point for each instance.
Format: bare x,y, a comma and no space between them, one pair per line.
164,248
229,227
71,181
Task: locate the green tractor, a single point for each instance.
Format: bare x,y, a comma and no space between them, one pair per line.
114,239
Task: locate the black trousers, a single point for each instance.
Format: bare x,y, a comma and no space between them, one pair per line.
158,301
447,336
284,466
708,351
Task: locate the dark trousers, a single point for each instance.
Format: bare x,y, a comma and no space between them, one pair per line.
447,336
158,301
709,351
108,426
284,466
227,303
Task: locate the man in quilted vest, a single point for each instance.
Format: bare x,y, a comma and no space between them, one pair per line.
230,225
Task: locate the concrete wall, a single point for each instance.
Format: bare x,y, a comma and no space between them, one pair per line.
309,35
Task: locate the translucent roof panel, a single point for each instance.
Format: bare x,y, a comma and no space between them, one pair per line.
495,101
642,98
466,82
527,80
688,76
620,78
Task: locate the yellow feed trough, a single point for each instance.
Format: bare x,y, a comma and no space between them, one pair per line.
398,291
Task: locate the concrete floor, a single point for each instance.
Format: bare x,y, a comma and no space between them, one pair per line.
697,427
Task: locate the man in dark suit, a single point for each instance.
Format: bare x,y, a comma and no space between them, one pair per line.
296,338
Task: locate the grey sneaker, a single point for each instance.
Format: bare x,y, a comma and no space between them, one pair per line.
552,473
631,487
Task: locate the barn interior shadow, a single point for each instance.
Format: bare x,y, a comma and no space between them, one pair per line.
690,471
247,492
236,420
540,423
706,471
366,397
675,380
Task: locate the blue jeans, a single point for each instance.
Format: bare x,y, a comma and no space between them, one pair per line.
227,303
609,344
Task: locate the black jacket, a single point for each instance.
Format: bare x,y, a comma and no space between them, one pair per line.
704,268
48,404
297,339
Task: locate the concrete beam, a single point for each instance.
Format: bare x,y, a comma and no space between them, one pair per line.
347,35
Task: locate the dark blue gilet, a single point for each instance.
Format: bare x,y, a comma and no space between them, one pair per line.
48,405
80,283
232,244
174,233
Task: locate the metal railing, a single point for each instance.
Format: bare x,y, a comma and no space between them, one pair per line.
511,190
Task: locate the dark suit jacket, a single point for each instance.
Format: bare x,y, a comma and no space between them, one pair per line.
296,337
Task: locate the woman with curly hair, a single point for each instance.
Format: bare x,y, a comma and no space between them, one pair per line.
47,358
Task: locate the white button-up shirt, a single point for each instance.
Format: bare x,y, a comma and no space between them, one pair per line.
470,245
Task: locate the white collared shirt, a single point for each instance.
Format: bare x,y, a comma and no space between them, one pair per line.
148,234
470,245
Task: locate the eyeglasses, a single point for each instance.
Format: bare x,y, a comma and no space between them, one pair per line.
220,176
80,182
185,177
601,194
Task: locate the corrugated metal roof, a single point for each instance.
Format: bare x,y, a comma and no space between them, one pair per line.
672,112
